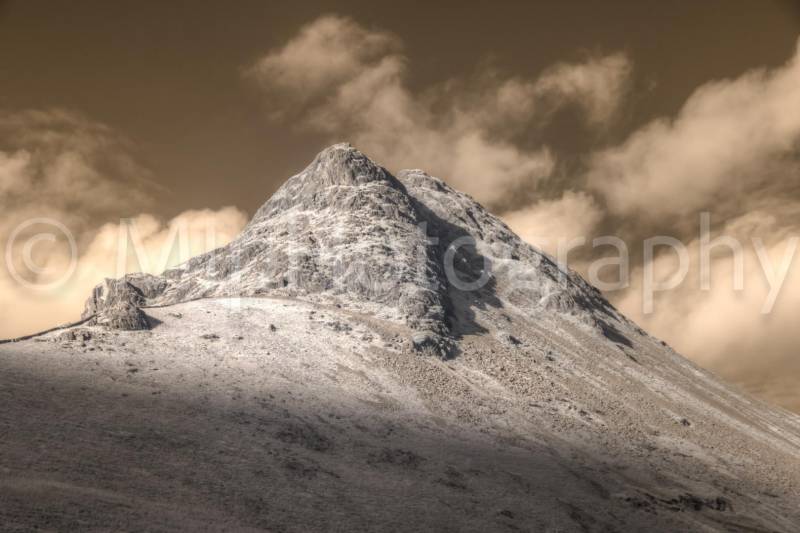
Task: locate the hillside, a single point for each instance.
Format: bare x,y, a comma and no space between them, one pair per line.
324,371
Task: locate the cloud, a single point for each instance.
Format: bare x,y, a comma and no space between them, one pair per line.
141,244
324,54
351,82
730,139
62,165
77,178
549,222
731,151
598,85
723,328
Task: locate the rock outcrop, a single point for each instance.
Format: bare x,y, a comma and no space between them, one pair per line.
117,303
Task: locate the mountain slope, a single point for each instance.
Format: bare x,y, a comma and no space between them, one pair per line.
285,383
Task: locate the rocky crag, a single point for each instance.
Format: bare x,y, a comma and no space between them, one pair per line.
345,231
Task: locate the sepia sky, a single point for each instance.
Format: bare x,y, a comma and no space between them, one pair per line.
567,118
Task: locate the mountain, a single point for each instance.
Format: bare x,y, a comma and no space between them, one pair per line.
377,352
345,231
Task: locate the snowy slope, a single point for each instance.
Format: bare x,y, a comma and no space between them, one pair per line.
311,405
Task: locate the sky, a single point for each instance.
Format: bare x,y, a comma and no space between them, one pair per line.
567,119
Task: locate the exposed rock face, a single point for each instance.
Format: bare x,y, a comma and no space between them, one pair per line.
117,303
346,231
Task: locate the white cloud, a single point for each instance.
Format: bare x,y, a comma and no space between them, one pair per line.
549,222
145,243
326,53
722,327
598,85
729,139
352,84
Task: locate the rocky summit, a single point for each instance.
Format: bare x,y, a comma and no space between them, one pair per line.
345,231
